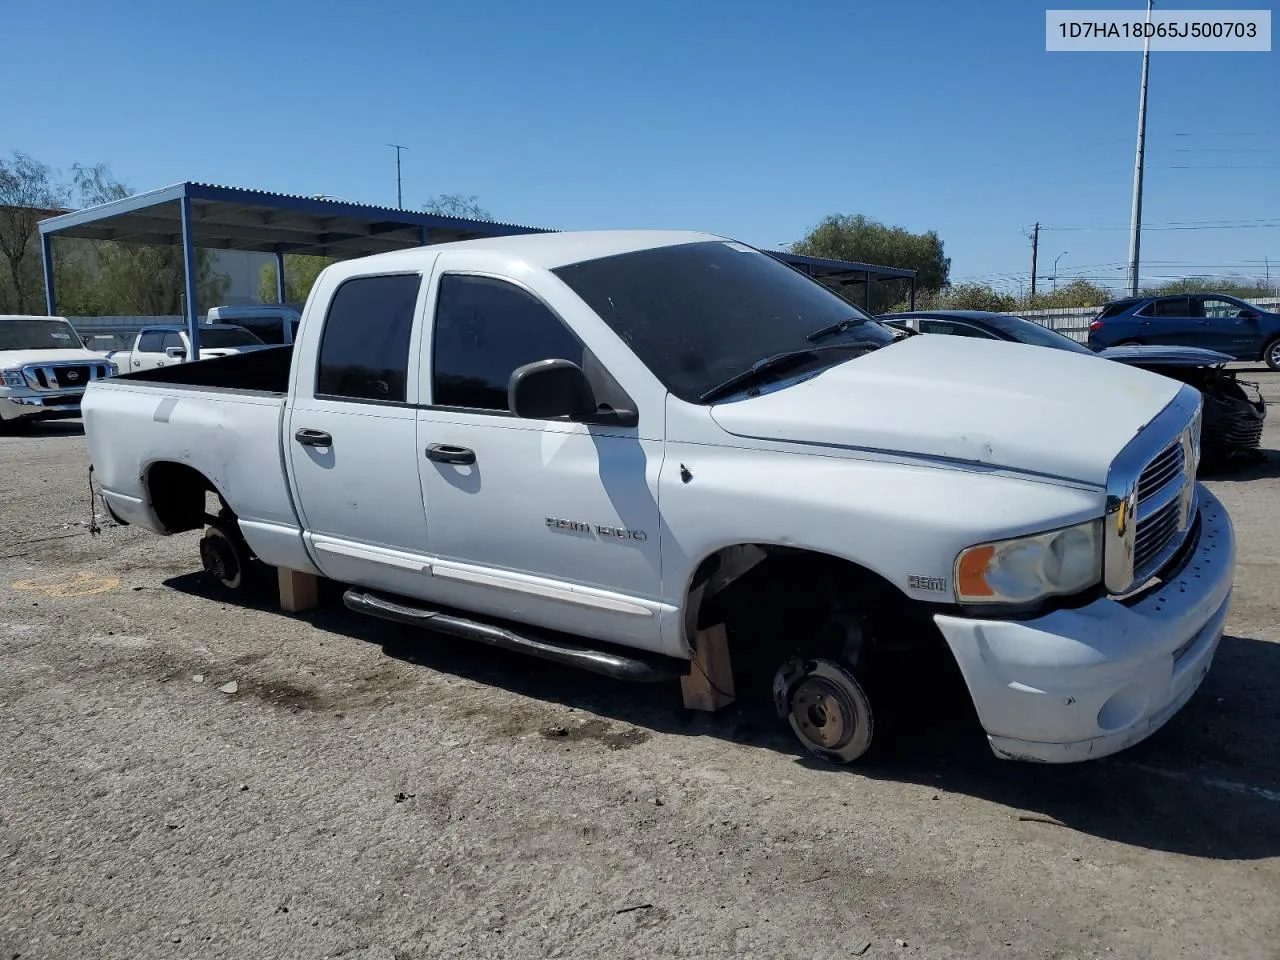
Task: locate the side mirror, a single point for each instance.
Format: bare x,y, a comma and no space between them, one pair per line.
175,353
549,389
1248,315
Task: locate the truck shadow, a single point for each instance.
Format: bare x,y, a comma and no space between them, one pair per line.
1206,785
46,428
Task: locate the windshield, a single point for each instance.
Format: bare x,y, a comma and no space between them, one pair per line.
1025,331
697,314
38,335
215,338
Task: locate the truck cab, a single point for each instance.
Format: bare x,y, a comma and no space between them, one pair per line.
45,368
162,346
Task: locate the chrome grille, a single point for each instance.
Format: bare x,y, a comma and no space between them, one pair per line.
1154,534
63,376
1151,497
1166,466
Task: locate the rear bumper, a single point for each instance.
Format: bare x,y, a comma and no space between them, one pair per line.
1080,684
49,406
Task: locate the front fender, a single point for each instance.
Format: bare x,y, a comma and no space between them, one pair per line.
904,522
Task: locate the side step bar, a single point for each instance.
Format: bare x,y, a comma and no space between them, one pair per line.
631,665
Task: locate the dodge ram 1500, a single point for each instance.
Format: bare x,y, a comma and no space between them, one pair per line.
595,447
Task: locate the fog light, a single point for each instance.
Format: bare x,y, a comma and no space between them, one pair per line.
1123,708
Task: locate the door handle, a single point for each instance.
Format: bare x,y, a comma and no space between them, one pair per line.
448,453
313,438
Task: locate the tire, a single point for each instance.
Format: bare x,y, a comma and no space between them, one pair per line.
1271,354
1130,343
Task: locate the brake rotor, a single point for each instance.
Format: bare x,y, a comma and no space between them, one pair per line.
220,558
827,709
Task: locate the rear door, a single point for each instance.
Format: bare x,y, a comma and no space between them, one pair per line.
350,437
1172,320
1230,327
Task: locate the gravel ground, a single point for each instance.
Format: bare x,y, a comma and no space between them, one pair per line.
371,792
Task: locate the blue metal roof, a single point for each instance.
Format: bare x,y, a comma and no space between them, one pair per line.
236,218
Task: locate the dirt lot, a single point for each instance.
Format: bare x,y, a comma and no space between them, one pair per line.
368,792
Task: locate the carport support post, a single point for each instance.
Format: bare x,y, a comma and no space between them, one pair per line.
866,294
280,276
912,294
189,277
46,254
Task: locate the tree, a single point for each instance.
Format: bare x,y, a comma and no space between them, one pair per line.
300,273
456,205
29,192
859,238
1077,293
970,296
1233,288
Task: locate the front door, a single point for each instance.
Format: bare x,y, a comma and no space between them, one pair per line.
1230,327
545,521
351,438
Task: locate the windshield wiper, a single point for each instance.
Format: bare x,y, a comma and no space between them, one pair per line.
773,363
840,326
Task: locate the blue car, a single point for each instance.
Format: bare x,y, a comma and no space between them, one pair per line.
1210,320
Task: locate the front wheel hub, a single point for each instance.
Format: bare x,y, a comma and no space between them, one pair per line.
220,558
827,709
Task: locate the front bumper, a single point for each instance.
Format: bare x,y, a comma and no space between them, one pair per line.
44,406
1080,684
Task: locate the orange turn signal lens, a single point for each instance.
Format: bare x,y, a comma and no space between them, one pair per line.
971,572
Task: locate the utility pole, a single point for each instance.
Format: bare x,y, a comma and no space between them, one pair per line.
1135,226
1035,252
399,199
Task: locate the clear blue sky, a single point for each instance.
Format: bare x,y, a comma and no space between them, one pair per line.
750,119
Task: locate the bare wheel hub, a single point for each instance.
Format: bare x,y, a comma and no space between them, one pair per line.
823,713
221,558
827,709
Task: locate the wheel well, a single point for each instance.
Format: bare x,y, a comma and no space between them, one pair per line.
762,591
177,494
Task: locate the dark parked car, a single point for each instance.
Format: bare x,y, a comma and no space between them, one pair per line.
1232,419
1211,320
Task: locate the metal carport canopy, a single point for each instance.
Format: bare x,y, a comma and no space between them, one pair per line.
203,215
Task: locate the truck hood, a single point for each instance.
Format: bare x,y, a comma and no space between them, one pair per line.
994,403
17,358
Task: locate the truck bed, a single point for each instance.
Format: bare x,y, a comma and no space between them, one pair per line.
261,372
221,418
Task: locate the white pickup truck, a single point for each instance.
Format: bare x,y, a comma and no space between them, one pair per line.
44,368
162,345
602,448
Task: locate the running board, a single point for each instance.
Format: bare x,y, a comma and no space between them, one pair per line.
632,665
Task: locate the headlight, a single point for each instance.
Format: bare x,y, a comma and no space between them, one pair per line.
1026,569
13,378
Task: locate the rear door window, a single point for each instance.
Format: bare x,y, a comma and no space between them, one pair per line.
1172,308
364,347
